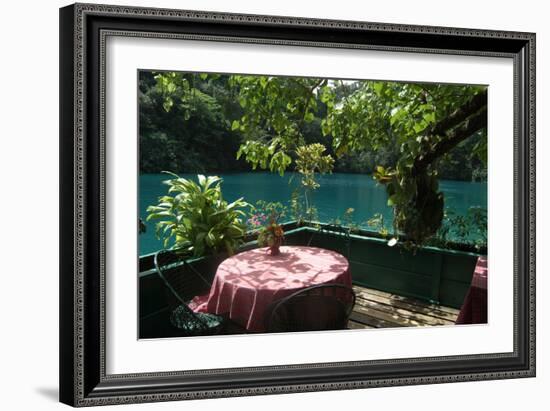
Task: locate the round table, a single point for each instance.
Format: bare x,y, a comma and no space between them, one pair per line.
246,283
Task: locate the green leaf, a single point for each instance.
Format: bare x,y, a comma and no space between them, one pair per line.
378,87
392,200
325,127
418,127
429,117
168,103
202,179
263,81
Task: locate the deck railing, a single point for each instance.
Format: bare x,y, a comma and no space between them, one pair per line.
437,276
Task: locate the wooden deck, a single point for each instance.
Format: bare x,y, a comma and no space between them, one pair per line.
378,309
373,309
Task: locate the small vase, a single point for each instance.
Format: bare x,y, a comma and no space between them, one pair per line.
274,249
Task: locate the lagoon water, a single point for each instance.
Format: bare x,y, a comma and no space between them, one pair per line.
338,192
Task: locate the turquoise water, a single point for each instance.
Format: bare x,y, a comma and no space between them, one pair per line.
338,192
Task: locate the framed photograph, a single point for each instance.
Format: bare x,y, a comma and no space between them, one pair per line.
261,204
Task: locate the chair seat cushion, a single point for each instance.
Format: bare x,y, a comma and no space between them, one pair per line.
191,323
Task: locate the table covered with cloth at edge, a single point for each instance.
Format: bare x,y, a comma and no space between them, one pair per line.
474,308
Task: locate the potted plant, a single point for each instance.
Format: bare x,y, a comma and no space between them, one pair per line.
271,234
196,218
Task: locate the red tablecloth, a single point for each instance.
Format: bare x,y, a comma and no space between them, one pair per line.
247,283
474,308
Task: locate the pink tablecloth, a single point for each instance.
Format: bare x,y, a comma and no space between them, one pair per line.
247,283
474,308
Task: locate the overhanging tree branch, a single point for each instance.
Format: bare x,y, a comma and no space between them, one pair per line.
453,138
459,115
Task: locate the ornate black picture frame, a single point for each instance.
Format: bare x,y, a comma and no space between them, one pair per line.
83,380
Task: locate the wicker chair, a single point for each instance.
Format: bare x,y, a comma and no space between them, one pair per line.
319,307
183,283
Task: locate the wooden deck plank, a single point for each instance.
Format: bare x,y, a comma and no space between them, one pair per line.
401,315
391,318
434,313
373,322
419,307
378,309
353,325
406,300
